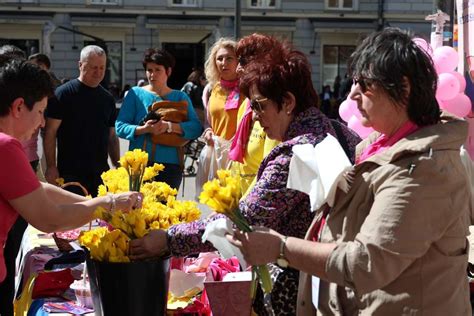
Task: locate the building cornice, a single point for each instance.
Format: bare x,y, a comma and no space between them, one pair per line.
175,12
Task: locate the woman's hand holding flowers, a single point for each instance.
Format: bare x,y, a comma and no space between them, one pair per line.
259,247
152,245
125,201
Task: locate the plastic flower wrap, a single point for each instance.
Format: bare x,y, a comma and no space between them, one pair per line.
223,195
159,210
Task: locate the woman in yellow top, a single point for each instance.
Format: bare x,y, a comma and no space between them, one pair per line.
251,144
221,96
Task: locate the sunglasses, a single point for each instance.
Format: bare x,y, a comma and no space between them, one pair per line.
242,61
256,105
364,83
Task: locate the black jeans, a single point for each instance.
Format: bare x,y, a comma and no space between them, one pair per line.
172,175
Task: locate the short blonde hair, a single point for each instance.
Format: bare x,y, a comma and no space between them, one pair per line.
210,67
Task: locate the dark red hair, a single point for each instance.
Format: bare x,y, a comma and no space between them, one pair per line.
289,71
257,46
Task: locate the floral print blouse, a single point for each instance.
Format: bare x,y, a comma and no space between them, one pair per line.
270,203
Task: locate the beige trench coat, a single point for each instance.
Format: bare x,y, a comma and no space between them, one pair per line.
401,232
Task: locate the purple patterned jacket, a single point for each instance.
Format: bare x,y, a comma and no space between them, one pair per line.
270,203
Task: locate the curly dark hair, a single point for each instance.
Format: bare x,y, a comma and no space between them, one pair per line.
21,79
388,59
159,57
8,52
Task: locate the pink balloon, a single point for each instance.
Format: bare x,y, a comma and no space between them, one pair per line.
461,80
448,86
344,111
355,124
445,59
424,45
347,109
460,105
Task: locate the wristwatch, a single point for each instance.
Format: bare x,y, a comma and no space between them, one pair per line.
169,129
281,260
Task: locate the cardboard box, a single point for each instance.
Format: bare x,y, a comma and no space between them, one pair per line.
230,297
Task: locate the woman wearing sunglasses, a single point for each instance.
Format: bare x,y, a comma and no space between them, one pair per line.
395,242
250,143
285,104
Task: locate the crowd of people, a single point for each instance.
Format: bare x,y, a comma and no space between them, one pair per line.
394,241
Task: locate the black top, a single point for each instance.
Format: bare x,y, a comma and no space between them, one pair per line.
87,115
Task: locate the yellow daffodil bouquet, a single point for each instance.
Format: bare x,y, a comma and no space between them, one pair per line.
159,210
222,195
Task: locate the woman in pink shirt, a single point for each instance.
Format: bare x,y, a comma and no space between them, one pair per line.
24,89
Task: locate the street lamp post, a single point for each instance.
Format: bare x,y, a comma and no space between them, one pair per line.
237,19
447,6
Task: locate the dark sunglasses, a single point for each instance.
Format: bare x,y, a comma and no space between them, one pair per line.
256,105
361,82
364,83
243,61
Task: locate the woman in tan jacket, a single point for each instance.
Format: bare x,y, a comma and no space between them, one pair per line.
395,242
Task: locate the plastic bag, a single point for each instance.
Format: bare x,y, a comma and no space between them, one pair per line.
52,283
211,159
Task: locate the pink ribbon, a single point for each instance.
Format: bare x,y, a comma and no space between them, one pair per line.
242,135
232,101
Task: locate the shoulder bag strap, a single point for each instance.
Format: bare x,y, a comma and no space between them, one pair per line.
341,138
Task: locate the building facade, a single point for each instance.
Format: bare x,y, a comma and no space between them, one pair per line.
326,30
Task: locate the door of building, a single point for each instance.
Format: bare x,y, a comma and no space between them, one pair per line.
188,56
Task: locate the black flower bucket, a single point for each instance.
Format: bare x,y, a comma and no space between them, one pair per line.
134,288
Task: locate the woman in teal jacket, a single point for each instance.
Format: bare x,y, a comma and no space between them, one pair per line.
158,65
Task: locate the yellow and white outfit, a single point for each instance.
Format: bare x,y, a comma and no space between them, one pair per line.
258,147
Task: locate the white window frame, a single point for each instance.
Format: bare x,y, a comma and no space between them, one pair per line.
355,6
263,6
196,4
104,2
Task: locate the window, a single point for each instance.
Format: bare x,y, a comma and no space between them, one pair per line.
342,4
184,3
335,62
190,56
106,2
29,46
263,4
